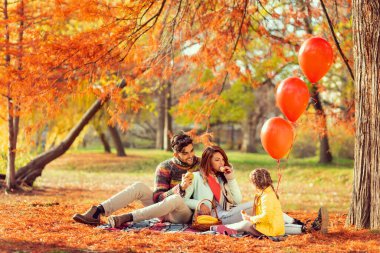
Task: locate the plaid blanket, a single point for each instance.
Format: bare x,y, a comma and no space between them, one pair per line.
167,227
153,224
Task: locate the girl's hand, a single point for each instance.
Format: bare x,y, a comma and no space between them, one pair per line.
245,216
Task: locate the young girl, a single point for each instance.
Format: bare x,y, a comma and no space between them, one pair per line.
267,218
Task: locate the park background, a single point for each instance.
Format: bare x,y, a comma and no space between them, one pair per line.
208,68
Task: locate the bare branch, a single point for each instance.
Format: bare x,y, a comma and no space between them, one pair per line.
336,40
279,70
155,18
151,4
262,6
240,29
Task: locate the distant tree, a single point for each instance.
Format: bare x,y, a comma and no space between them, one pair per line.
117,140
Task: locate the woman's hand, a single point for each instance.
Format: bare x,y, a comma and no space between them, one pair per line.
229,172
204,210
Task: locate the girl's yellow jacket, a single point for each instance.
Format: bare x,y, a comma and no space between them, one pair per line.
268,218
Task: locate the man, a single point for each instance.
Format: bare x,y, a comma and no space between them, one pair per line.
165,201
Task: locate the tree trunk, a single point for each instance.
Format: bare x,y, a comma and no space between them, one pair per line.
365,203
168,126
12,128
324,147
249,132
11,167
117,141
325,155
232,136
160,119
105,143
219,128
33,169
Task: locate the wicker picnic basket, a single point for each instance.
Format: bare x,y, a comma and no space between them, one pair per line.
205,226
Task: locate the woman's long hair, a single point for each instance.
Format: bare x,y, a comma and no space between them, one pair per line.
206,166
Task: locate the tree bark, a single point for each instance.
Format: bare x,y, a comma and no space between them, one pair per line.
365,203
219,127
232,136
160,119
249,132
324,147
105,143
12,129
11,168
168,126
117,141
34,168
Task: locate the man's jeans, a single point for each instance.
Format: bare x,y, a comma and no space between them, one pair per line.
172,208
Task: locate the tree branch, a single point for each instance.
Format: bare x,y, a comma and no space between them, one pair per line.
336,40
262,6
154,18
269,79
240,28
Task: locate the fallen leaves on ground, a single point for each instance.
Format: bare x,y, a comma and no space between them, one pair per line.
40,221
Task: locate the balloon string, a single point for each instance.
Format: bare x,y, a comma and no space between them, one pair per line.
279,175
294,139
279,170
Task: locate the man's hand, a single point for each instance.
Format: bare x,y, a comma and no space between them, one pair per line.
204,210
187,180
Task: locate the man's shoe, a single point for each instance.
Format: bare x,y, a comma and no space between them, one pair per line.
321,223
116,221
88,217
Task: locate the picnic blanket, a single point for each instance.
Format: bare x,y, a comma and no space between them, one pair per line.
152,224
167,227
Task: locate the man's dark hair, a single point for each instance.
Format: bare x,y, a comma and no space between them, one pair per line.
179,141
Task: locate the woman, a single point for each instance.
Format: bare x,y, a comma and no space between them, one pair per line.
216,182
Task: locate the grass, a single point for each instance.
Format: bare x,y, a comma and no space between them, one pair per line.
305,184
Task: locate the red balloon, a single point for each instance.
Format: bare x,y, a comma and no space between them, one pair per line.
292,96
315,58
277,137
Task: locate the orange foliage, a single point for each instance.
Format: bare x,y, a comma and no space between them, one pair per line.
65,42
93,38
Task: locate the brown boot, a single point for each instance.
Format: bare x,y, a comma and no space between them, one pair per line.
117,220
87,217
